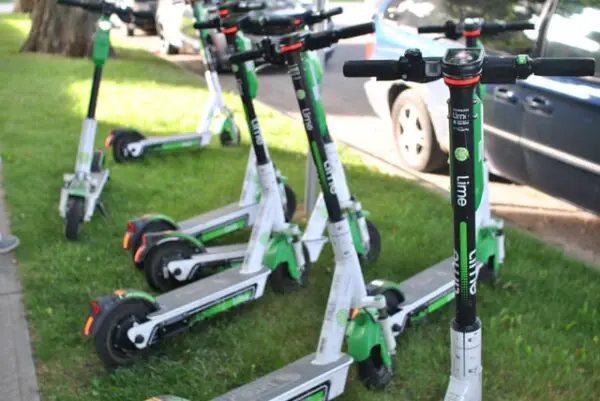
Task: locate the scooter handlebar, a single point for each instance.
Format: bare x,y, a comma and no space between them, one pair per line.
494,27
382,69
213,23
238,58
449,26
315,18
327,38
563,67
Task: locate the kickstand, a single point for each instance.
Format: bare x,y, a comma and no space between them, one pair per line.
101,208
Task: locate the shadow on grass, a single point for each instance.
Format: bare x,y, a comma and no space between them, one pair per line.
529,325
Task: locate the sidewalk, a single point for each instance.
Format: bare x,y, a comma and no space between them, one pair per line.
17,370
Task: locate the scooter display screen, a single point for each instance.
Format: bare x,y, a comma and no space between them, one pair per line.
463,57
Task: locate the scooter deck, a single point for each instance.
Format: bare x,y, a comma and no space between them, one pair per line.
299,380
209,290
223,215
226,249
428,281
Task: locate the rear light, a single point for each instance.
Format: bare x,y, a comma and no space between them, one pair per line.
109,139
126,240
297,21
130,226
370,46
90,320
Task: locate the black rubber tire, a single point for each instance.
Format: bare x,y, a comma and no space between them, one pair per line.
373,373
152,227
97,161
155,265
292,203
74,217
130,30
225,136
374,243
431,158
119,145
116,352
281,281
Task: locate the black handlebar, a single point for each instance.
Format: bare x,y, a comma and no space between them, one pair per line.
316,17
237,7
324,39
242,57
107,8
213,23
496,69
453,30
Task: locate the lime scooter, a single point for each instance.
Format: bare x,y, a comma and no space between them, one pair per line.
462,71
126,323
218,222
129,144
81,191
322,376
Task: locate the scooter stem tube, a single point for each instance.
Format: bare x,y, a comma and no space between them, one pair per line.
316,136
462,174
95,89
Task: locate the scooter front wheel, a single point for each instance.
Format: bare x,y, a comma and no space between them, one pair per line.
119,145
74,217
230,138
373,372
112,344
374,243
282,282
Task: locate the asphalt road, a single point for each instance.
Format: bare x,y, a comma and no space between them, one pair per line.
352,122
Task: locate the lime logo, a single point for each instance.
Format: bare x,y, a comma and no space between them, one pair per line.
104,25
342,317
521,59
461,154
300,94
264,239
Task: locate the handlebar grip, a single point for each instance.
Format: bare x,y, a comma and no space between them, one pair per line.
331,12
249,55
213,23
381,69
563,67
355,30
519,26
432,29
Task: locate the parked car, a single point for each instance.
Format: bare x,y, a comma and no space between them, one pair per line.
148,25
543,132
175,24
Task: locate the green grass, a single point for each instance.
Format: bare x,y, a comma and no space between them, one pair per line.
541,323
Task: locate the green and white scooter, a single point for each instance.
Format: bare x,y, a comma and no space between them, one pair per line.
127,323
231,218
80,194
462,71
130,144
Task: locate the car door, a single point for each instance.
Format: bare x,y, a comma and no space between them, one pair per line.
561,116
503,114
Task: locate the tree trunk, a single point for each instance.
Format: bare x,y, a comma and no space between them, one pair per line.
24,6
60,30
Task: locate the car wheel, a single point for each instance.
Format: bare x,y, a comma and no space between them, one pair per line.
414,136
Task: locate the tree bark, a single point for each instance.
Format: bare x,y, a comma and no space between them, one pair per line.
24,6
59,29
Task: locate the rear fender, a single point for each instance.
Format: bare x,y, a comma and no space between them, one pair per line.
103,306
115,133
154,240
140,225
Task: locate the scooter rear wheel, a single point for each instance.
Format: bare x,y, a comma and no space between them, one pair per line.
112,344
225,137
119,145
155,265
74,217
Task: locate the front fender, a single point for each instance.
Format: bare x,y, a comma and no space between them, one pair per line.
363,334
102,307
281,250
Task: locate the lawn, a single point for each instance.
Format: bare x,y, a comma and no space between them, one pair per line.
541,323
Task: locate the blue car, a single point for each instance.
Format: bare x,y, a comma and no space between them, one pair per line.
543,132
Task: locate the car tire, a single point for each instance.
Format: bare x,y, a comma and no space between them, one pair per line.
414,136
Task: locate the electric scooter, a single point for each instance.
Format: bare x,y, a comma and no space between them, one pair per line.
462,71
129,144
127,323
81,191
369,321
228,219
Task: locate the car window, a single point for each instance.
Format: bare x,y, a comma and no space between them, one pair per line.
573,31
414,13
